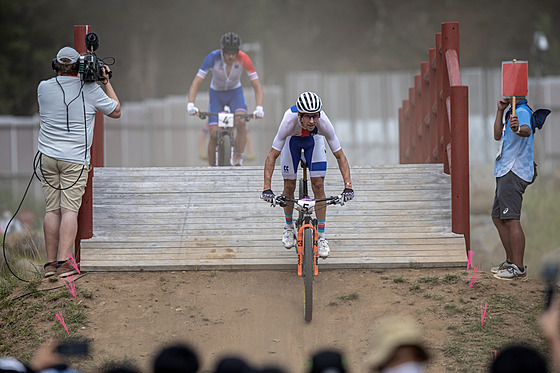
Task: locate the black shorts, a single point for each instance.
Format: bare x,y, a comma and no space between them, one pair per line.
509,196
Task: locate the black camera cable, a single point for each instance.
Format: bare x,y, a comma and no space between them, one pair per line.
37,161
81,92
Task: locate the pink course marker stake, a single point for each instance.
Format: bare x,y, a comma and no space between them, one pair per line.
69,285
483,312
61,319
474,276
72,261
470,259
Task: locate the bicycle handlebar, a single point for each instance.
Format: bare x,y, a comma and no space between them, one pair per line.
332,200
204,114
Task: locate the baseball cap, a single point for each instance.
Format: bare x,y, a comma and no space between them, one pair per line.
327,362
67,52
391,333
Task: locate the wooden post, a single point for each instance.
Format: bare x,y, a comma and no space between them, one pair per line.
417,135
433,106
412,123
425,112
85,214
460,204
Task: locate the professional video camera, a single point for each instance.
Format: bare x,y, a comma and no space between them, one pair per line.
91,66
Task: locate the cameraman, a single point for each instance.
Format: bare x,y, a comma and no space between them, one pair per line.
67,106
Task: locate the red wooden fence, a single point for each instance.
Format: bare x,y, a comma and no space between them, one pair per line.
434,122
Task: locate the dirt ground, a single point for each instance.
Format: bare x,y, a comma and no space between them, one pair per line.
258,315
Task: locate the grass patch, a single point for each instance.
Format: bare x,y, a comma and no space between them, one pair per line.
415,288
472,342
28,314
429,280
415,265
399,280
451,279
349,297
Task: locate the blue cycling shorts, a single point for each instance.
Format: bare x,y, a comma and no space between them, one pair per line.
218,99
314,151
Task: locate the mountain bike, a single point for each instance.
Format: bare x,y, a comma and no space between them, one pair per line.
307,236
225,140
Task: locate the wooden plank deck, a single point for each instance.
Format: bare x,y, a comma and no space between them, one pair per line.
212,218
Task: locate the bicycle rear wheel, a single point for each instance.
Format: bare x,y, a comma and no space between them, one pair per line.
224,150
308,273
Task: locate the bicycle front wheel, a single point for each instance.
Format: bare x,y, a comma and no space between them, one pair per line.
224,150
308,273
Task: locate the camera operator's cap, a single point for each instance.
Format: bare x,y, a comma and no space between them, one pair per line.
392,333
67,52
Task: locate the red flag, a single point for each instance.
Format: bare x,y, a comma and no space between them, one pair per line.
514,78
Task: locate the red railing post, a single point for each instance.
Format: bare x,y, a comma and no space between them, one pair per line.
432,121
402,150
405,144
417,135
85,214
441,107
425,111
438,107
411,124
460,202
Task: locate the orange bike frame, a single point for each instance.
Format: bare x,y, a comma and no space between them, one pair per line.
315,249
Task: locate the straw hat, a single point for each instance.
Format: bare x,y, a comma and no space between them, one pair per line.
391,333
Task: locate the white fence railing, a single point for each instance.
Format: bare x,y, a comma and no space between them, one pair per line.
362,106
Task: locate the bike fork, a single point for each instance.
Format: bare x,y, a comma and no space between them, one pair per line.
300,244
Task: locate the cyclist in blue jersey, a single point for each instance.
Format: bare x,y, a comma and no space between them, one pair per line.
302,128
227,65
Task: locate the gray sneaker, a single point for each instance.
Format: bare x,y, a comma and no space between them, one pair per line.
502,267
512,273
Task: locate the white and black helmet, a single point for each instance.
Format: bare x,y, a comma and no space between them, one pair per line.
309,103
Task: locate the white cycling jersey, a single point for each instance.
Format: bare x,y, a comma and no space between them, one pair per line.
290,126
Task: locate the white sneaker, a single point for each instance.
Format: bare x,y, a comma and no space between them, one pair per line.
289,238
237,159
324,250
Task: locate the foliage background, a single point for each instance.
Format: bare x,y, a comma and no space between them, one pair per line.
160,45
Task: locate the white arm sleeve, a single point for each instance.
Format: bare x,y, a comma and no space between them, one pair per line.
285,129
326,129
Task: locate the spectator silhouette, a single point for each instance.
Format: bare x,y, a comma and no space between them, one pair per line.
519,359
177,358
327,361
397,346
233,364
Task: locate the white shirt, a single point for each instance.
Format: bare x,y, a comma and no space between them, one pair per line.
65,139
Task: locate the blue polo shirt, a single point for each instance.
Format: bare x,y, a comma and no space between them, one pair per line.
517,151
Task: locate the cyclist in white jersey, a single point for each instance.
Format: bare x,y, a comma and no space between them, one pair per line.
302,128
227,65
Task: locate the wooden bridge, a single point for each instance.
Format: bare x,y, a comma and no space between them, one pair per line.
212,218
